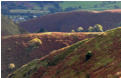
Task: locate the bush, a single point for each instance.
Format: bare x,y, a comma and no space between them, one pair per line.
88,55
80,29
72,30
90,29
11,66
96,28
34,43
42,30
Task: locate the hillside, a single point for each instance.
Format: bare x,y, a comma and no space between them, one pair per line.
70,62
65,22
30,9
20,49
8,27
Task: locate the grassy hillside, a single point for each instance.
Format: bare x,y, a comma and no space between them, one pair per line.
70,62
9,28
20,49
66,22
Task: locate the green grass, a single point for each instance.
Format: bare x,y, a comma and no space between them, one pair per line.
88,5
8,27
27,69
84,4
73,60
102,62
65,53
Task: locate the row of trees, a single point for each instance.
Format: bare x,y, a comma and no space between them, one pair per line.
95,28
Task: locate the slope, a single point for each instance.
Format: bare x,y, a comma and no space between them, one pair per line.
65,22
69,62
18,49
48,7
9,28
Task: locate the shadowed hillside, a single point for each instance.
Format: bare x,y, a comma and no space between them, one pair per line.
20,49
74,61
65,22
9,28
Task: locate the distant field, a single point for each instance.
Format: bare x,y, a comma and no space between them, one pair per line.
27,11
55,6
15,9
90,5
65,5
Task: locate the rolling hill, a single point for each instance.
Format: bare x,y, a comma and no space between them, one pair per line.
49,7
8,27
72,62
26,10
65,22
20,49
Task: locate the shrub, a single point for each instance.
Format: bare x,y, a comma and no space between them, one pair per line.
88,55
11,66
80,29
72,30
90,29
98,28
42,30
34,43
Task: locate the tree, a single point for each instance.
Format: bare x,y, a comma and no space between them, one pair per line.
11,66
72,30
34,43
98,28
90,29
42,30
88,55
79,29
